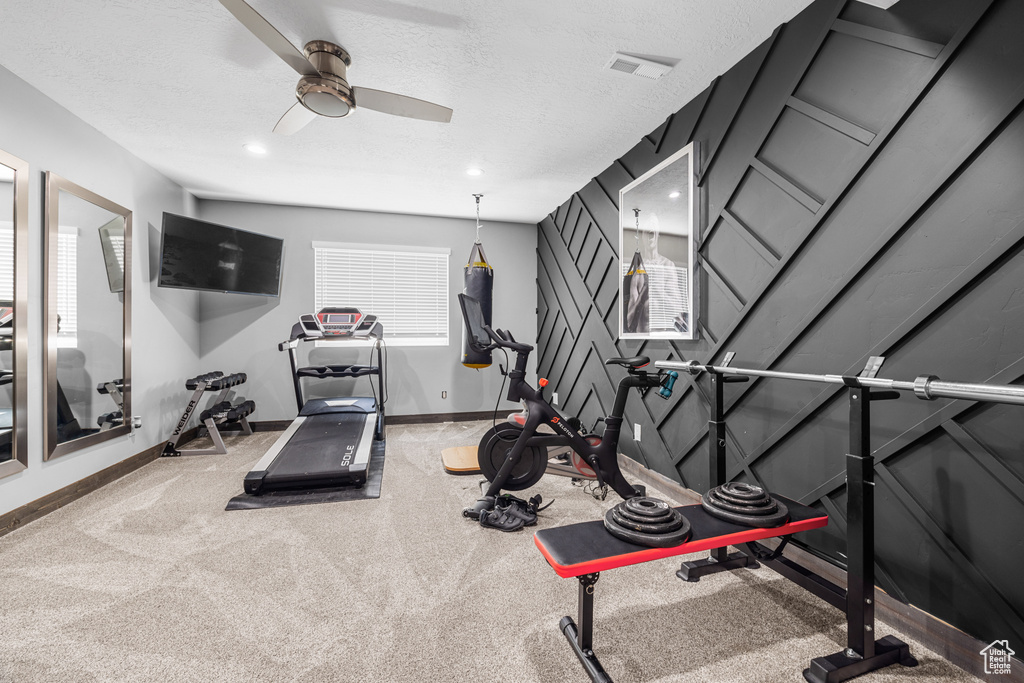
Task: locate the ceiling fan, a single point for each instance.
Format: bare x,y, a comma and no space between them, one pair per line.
323,89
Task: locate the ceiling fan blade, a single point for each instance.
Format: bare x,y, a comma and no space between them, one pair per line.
270,36
294,120
400,105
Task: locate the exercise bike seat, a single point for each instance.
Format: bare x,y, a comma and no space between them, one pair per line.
634,362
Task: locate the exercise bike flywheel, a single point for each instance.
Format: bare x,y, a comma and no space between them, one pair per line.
494,449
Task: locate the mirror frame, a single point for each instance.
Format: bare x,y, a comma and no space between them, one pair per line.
19,444
693,280
53,449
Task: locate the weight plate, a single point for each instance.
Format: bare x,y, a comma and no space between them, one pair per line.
758,513
666,540
673,522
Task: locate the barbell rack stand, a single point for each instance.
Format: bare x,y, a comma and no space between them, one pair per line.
863,653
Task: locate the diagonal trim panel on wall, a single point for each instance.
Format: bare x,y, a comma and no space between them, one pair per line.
839,159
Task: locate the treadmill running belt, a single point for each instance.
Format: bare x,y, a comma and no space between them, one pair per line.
326,450
276,499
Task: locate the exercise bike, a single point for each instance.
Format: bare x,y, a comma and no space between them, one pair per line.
514,457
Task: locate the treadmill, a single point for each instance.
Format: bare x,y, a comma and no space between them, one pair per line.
330,443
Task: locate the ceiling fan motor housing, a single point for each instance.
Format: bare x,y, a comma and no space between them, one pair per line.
327,95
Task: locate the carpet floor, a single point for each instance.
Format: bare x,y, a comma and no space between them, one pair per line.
149,579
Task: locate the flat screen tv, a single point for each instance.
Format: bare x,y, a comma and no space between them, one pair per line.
196,254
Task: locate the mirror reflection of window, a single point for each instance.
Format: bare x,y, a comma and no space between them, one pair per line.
6,258
6,314
67,287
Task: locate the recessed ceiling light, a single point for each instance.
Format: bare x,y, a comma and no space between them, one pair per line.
256,148
474,171
673,195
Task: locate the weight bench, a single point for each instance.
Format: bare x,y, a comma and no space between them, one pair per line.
584,550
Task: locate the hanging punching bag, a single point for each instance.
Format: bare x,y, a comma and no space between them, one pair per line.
479,281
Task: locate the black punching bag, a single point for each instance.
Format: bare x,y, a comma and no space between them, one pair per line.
479,280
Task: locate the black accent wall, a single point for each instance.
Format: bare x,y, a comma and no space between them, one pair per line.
863,194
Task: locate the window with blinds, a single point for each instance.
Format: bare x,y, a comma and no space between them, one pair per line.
67,287
405,287
6,261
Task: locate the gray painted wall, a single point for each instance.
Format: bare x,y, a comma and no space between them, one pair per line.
861,188
165,322
240,333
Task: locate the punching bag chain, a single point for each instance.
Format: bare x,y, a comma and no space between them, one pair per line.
478,196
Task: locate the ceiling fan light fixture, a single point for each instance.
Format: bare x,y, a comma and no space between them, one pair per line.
326,97
474,171
326,104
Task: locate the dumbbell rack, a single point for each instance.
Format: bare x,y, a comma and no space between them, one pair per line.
220,412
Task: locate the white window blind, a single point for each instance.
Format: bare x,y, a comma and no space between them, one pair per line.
406,288
6,261
667,287
67,286
117,242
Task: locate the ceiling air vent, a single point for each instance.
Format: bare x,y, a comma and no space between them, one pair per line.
636,66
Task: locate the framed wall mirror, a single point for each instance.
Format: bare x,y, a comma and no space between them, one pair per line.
657,231
13,311
88,318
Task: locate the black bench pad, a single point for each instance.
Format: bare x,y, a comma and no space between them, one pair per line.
587,547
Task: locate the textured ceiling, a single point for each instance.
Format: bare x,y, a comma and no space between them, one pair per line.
181,84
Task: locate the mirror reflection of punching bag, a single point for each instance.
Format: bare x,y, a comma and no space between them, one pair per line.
636,316
479,283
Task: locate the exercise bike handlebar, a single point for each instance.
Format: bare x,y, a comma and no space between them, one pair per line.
504,339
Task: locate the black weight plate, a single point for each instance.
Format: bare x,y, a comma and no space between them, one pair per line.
743,491
647,507
668,540
624,512
742,501
761,508
760,521
674,522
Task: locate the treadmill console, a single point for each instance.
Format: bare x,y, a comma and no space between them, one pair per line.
311,328
340,321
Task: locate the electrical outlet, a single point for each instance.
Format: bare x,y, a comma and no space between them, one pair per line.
136,422
554,398
636,431
444,394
